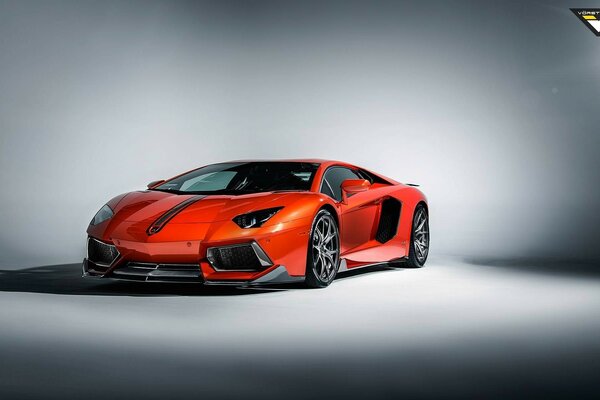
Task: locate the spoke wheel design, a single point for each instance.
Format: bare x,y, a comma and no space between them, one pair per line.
421,235
324,251
419,242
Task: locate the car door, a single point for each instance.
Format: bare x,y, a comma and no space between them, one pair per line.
357,215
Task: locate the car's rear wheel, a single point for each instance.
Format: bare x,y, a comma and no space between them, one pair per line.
419,238
323,257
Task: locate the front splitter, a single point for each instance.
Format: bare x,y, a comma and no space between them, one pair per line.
277,276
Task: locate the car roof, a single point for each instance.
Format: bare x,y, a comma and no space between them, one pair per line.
321,161
323,165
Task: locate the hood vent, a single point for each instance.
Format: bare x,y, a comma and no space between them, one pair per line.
166,217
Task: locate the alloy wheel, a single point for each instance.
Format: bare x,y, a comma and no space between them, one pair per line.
421,235
325,248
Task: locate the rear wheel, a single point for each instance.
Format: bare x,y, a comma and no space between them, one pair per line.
323,257
419,238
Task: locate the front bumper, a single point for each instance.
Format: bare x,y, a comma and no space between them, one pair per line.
183,273
202,253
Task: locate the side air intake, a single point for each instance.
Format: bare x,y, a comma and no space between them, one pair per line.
388,220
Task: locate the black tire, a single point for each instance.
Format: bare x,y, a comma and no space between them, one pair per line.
419,238
323,258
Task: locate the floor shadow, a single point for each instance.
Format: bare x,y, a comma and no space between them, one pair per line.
66,279
575,268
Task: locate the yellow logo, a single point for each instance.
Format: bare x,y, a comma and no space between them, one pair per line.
590,17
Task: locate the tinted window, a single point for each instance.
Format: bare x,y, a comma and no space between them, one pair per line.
332,181
208,181
239,178
371,178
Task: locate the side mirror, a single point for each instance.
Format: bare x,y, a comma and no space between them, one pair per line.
353,186
155,183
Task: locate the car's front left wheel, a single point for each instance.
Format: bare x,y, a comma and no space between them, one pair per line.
323,257
419,238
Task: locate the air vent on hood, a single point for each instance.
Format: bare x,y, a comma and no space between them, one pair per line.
166,217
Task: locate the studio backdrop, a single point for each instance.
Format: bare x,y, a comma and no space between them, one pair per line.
494,113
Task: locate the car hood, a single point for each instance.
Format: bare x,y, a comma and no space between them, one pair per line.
154,216
148,206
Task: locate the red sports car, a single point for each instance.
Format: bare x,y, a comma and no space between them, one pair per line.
259,222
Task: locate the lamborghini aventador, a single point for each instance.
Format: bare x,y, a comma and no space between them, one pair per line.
259,222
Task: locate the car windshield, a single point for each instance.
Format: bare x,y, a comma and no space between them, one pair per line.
243,177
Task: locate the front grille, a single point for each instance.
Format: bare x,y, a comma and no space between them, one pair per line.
241,257
159,272
101,253
164,266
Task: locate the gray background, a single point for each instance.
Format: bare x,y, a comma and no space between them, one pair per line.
490,106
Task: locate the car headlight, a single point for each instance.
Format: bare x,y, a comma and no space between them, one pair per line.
105,213
255,218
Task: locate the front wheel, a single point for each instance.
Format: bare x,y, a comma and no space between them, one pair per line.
323,256
419,238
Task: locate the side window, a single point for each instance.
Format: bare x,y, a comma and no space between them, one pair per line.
365,175
332,181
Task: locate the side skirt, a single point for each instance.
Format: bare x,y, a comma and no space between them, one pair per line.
344,266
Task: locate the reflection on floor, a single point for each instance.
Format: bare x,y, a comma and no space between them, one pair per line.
483,328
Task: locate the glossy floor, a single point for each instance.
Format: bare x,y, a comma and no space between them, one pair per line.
454,329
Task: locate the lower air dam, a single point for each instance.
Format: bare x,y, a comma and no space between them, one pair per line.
454,329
